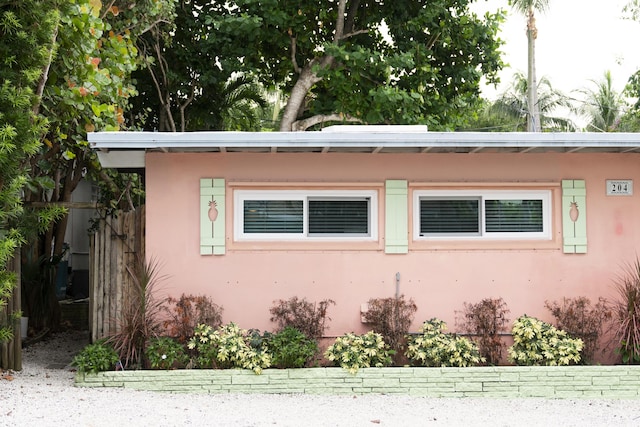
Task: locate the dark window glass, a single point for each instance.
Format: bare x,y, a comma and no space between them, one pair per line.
339,216
273,216
449,216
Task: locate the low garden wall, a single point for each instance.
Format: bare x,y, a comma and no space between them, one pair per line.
501,381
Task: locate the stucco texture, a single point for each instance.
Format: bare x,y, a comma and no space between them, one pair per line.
439,276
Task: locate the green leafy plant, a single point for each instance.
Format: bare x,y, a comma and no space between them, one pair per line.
188,311
582,319
166,353
97,357
353,352
538,343
290,348
309,318
434,347
485,321
139,320
228,347
626,314
392,318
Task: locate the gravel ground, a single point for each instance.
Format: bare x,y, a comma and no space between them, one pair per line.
43,394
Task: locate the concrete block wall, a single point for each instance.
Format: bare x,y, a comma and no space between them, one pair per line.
502,381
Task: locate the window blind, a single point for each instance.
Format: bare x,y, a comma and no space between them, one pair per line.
516,216
449,216
338,216
273,216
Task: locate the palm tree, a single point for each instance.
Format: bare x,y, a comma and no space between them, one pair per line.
527,8
603,106
513,106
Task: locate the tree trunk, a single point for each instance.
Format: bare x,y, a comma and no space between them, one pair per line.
533,115
305,82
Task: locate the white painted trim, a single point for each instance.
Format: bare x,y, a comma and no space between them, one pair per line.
544,195
239,196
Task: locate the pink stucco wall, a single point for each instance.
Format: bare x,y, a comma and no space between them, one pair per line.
439,277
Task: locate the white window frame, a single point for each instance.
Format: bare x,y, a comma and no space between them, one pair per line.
483,195
304,195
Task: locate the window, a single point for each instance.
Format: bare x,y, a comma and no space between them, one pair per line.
300,214
496,214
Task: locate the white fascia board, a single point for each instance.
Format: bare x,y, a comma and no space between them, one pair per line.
126,159
175,141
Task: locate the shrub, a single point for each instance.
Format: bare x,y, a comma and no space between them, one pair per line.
580,319
538,343
166,353
227,347
97,357
308,318
434,347
486,320
290,348
139,319
626,314
391,317
189,311
353,352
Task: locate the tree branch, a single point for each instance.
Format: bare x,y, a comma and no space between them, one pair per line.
302,125
294,50
45,73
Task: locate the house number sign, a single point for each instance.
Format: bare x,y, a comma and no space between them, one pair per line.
619,187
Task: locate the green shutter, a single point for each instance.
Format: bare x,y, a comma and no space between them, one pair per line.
212,233
396,217
574,233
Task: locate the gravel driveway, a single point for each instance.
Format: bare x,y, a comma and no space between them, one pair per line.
43,394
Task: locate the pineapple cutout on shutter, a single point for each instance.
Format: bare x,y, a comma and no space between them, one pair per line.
213,210
574,212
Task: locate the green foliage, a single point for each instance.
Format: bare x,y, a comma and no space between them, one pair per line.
309,318
486,320
434,347
391,317
538,343
97,357
581,319
626,314
425,68
353,352
166,353
290,348
227,347
139,320
185,313
26,31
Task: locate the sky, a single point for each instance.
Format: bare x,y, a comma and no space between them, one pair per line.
578,40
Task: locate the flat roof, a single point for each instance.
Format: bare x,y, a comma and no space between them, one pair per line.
126,149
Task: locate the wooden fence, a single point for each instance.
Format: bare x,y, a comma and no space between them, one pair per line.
118,243
11,351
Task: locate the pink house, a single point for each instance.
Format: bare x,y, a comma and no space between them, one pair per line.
360,212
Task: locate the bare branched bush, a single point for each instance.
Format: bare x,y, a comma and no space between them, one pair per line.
185,313
307,317
581,319
485,321
392,318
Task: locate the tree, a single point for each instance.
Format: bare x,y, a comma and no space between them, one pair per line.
84,86
27,29
191,78
528,8
603,106
368,61
512,105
